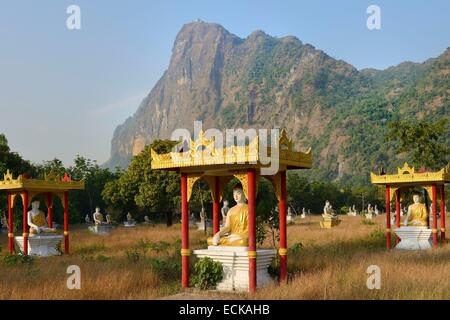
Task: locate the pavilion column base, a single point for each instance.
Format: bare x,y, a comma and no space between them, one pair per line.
41,245
414,238
235,264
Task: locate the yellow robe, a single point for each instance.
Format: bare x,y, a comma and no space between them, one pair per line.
418,215
100,218
39,220
236,234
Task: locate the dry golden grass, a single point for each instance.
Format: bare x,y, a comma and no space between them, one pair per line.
329,264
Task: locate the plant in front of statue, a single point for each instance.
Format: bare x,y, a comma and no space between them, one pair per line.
14,259
207,273
274,268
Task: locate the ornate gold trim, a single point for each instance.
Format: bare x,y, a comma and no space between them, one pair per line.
239,156
252,254
191,180
388,230
282,252
408,175
243,179
434,231
50,183
24,234
442,229
66,233
10,235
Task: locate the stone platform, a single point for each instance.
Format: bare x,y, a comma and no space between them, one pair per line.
236,268
329,223
128,224
100,229
413,238
41,245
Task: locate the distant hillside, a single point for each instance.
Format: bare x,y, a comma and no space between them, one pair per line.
263,82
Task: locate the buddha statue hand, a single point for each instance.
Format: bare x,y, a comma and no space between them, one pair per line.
216,239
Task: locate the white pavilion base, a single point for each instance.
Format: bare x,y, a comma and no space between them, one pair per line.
236,268
413,238
41,245
101,229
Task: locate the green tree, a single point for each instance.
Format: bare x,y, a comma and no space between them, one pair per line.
143,189
425,141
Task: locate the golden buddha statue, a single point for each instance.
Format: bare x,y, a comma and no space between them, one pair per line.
36,220
235,230
417,213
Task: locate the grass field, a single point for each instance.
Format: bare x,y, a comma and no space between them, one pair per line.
144,263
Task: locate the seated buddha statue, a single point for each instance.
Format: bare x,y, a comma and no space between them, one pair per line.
98,217
417,214
328,212
235,230
36,220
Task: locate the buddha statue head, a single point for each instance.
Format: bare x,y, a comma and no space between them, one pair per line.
238,194
97,210
225,203
35,205
416,197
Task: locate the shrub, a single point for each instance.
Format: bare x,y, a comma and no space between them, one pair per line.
207,274
14,259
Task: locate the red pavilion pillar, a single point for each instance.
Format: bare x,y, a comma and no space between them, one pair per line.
388,217
185,252
66,222
434,212
216,205
50,209
25,223
251,177
397,212
283,230
442,214
10,225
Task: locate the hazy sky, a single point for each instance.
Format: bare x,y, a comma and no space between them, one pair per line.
62,92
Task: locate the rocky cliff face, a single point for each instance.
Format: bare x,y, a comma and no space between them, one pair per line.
266,82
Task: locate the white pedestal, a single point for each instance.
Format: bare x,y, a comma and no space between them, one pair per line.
100,229
236,268
129,224
413,238
41,245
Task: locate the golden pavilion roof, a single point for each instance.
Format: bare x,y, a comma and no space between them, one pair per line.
408,176
204,156
51,183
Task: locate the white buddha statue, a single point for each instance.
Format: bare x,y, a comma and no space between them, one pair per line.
376,211
130,218
36,220
147,220
328,211
98,217
224,210
87,219
303,215
130,222
108,218
289,218
369,212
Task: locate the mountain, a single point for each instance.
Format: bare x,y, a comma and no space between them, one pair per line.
264,82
